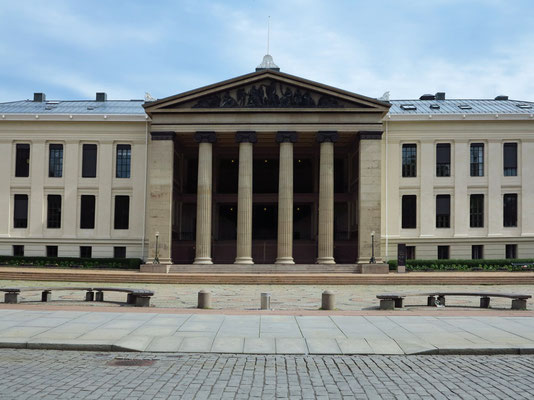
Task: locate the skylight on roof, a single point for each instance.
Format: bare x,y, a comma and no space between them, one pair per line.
408,107
524,106
465,107
434,106
52,102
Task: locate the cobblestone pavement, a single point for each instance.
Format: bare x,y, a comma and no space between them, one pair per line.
34,374
283,297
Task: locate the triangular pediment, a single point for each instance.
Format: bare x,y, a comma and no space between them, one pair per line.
266,90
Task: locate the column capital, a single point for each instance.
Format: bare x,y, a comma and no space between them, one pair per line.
370,135
286,136
169,135
246,137
327,136
205,137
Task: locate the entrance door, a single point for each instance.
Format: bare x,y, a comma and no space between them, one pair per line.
264,233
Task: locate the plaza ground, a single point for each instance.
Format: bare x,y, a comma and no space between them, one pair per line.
51,375
283,297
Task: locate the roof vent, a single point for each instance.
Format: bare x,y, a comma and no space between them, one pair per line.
434,106
267,63
408,107
427,97
524,106
501,97
440,96
465,107
39,97
101,96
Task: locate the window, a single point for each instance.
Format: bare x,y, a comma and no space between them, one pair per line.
55,161
18,250
53,220
477,252
122,212
22,164
119,252
51,251
511,251
477,159
443,252
510,159
20,213
410,252
87,212
443,211
89,161
443,159
86,251
124,157
476,211
409,160
409,212
510,210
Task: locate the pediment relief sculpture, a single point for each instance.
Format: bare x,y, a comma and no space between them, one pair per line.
268,94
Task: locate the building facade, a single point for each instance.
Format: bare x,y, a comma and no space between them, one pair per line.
267,168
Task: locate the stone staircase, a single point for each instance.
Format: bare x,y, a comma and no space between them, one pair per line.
264,269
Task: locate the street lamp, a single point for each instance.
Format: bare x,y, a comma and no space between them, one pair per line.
156,258
372,259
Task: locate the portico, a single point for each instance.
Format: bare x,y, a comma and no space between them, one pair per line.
264,168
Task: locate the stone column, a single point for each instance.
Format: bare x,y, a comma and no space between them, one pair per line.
244,198
159,196
369,196
325,243
205,142
285,198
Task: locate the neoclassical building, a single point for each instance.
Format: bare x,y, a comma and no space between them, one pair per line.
267,168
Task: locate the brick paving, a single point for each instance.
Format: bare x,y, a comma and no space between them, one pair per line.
34,374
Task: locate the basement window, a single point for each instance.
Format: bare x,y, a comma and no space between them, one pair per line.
408,107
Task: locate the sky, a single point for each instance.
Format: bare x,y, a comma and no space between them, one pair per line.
71,49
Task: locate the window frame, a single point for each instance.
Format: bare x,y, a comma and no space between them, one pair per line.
121,215
510,216
509,171
406,222
82,225
53,212
123,163
409,160
25,226
55,163
443,221
510,248
476,216
476,167
441,249
27,165
440,172
86,167
477,252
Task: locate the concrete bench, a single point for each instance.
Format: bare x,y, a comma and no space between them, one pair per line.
390,301
12,294
137,297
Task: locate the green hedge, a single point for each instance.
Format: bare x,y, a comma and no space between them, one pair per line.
68,262
465,265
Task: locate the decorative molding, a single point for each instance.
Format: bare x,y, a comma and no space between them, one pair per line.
286,136
205,137
370,135
163,135
327,136
246,137
268,94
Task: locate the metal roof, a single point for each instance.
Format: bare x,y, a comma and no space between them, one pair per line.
117,107
398,107
460,106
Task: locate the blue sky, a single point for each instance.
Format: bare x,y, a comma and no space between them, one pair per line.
72,49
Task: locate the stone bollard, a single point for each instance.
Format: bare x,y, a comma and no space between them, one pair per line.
328,300
266,301
204,299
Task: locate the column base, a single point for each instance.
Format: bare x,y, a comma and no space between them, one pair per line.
284,260
325,260
203,260
244,260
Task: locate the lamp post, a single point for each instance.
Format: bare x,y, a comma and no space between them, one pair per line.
372,259
156,257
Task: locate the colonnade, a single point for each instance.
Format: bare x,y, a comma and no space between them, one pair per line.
246,140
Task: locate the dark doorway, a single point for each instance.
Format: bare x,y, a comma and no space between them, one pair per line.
227,222
264,222
265,176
